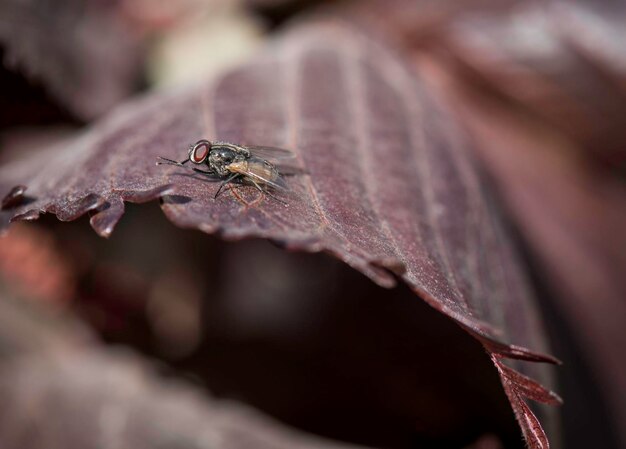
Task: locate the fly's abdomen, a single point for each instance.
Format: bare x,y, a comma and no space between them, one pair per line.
263,169
258,169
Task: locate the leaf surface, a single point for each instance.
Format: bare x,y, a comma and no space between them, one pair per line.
389,186
543,91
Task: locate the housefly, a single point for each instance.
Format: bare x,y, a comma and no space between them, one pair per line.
236,163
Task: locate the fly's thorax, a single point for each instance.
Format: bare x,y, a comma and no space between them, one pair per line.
239,149
220,157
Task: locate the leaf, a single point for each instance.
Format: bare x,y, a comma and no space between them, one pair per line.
81,52
564,65
389,187
572,214
542,87
545,98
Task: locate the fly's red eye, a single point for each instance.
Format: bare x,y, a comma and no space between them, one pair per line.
200,152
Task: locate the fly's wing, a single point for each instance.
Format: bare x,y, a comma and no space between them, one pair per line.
284,160
290,170
260,171
270,153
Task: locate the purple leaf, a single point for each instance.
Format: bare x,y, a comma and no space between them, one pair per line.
543,90
566,211
564,65
389,187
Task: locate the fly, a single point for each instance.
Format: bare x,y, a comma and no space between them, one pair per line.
236,163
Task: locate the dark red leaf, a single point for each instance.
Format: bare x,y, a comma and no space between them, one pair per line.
82,52
572,216
563,64
539,112
389,187
543,88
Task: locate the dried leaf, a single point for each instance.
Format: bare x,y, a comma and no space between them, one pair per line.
80,51
390,188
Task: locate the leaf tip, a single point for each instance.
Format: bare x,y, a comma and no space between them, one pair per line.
14,198
500,349
104,221
29,215
394,265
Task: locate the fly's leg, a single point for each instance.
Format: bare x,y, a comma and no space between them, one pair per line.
260,189
166,161
226,181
